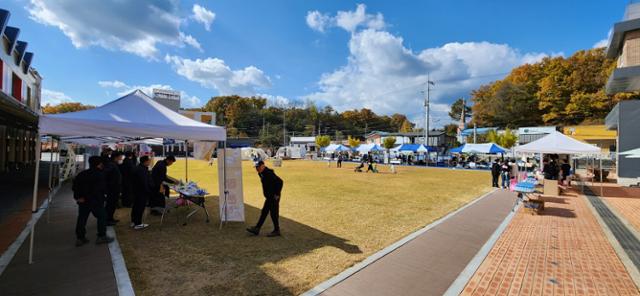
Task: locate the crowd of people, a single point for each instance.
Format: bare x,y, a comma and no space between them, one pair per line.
505,170
117,179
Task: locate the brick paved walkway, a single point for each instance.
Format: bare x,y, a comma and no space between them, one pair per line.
626,201
561,252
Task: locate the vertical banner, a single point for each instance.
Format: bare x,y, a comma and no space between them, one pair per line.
230,160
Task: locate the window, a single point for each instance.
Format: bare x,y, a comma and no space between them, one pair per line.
29,100
1,74
16,90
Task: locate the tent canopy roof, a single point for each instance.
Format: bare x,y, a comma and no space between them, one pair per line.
558,143
414,148
133,115
365,148
487,148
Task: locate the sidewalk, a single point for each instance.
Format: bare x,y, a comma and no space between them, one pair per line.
563,251
430,263
59,267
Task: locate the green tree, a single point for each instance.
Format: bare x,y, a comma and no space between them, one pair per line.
456,110
353,142
406,127
323,141
388,143
65,108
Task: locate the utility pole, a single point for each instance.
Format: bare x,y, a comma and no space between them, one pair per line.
284,126
426,111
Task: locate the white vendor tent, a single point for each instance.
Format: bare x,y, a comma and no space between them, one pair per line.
366,148
247,153
633,153
134,115
558,143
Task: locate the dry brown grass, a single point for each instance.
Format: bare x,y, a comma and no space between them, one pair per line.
331,219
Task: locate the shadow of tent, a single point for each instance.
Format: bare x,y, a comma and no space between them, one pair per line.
558,212
201,259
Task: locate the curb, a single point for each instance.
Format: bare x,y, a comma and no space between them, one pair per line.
123,281
378,255
634,273
467,273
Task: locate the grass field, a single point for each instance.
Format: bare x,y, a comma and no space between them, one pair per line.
330,218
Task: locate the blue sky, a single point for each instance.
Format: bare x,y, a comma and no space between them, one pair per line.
349,54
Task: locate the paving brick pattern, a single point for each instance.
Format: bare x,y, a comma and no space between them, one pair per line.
629,208
563,251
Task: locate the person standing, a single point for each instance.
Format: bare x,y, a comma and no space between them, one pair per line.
566,172
142,190
114,184
271,189
161,191
89,190
340,157
126,170
504,170
495,173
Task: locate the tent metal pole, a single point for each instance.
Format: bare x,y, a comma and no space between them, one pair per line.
186,162
601,178
34,205
224,182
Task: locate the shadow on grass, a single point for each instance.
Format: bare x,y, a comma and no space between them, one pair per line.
201,259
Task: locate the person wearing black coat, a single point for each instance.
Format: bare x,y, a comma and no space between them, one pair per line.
114,184
161,191
126,170
495,173
271,189
142,190
89,190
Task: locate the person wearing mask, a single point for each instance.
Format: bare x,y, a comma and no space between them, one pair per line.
126,170
271,189
114,184
89,190
161,191
495,173
142,190
504,171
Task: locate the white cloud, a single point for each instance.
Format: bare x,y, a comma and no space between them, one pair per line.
54,97
122,89
387,77
318,21
276,100
604,42
132,26
203,16
347,20
188,39
214,73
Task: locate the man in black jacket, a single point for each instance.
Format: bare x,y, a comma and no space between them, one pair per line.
114,184
495,173
126,170
142,190
161,191
271,189
89,190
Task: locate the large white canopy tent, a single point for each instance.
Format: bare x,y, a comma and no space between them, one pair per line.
134,115
558,143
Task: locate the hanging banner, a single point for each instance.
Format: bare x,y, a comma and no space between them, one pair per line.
231,209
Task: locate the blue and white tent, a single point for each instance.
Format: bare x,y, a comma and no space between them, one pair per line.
414,148
335,148
366,148
487,148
